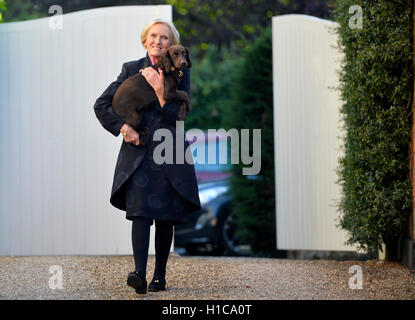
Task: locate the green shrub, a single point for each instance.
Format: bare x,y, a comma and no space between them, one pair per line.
210,85
252,108
376,85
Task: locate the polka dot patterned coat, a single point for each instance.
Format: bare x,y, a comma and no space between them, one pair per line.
140,186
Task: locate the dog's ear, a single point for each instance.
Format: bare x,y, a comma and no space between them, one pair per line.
189,60
166,62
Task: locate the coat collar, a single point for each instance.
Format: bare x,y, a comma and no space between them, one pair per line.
143,63
147,61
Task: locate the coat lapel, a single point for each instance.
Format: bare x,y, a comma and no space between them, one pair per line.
142,63
147,61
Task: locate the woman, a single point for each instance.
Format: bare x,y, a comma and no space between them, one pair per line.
167,193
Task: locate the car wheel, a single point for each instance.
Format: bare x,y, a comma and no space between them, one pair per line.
229,242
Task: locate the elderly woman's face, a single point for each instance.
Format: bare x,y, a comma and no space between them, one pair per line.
158,40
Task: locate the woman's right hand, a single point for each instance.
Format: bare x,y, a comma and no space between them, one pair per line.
130,135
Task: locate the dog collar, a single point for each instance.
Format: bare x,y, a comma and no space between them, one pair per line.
176,71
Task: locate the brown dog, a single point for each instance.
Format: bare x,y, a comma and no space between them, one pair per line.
135,94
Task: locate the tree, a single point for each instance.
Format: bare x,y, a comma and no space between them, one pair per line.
3,9
222,22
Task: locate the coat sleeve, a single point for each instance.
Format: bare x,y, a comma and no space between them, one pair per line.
170,111
103,106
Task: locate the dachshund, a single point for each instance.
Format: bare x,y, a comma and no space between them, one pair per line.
135,94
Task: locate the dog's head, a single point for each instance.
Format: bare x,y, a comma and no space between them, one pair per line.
176,57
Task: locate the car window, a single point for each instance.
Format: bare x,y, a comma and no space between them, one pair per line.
215,153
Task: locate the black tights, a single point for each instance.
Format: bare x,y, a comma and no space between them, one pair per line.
141,238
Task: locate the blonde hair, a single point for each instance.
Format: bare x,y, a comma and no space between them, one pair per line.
174,34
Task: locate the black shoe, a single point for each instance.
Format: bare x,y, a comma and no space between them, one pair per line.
137,281
157,285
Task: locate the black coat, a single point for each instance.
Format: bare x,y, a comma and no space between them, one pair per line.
182,176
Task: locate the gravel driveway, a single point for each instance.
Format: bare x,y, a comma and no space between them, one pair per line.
104,277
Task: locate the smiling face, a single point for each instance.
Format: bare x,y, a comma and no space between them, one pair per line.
157,40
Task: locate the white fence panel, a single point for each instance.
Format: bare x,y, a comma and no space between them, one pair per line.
306,128
57,161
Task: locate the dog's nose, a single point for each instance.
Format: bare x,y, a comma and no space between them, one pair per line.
184,64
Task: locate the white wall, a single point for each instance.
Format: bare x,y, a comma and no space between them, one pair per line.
57,161
306,128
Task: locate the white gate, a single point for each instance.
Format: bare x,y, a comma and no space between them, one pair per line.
306,129
57,161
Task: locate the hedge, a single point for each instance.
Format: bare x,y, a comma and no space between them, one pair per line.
376,82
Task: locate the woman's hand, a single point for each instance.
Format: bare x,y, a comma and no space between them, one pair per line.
130,135
156,81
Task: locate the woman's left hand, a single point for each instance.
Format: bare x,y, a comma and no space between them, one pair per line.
156,81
